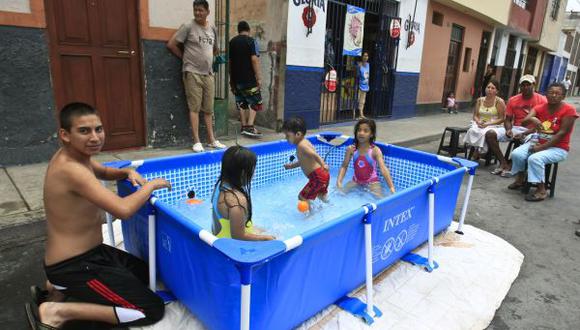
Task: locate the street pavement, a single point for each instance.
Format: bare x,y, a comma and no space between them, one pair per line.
546,294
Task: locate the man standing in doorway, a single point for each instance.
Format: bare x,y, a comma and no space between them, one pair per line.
567,83
245,80
196,43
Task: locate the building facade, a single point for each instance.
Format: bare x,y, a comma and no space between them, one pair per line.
455,51
571,28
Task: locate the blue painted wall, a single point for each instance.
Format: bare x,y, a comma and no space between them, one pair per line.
405,94
302,94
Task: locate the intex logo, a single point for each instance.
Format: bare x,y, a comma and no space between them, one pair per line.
398,219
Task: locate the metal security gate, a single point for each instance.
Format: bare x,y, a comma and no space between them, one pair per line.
342,104
222,24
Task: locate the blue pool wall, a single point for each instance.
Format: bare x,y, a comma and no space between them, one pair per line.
296,285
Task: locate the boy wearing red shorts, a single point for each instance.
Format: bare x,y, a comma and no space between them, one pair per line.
309,161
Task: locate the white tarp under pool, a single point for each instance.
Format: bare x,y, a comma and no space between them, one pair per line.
475,273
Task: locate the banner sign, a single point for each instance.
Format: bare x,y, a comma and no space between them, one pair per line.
353,31
306,32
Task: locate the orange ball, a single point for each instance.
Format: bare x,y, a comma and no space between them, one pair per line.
303,206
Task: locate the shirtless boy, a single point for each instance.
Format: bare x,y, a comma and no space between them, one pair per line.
309,161
110,285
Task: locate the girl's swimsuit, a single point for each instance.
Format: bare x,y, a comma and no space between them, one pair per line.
225,228
365,167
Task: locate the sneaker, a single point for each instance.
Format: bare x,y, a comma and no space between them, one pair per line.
216,145
251,131
244,130
198,147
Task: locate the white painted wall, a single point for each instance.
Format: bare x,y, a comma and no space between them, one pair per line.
16,6
409,59
171,14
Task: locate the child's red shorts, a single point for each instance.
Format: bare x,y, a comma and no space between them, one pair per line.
318,181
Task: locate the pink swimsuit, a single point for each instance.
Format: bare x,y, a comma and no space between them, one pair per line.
365,167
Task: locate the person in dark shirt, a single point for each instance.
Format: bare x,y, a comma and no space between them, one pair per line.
245,79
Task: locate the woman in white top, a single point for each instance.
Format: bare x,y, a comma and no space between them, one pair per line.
488,114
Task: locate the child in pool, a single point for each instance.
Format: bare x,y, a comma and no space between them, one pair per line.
232,202
311,163
366,158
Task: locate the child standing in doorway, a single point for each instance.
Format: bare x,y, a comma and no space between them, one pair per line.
450,103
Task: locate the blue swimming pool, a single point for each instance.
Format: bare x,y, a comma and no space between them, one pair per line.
230,284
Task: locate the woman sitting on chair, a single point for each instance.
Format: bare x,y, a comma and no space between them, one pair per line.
488,115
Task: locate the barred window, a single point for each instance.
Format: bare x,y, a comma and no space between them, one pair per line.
555,9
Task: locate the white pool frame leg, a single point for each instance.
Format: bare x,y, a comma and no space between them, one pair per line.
245,306
431,228
369,268
465,203
368,220
152,254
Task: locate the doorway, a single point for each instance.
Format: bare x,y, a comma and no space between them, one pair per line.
453,57
96,59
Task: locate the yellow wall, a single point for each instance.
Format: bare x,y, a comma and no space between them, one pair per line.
550,37
491,11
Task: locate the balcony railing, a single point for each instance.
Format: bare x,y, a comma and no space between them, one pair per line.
522,3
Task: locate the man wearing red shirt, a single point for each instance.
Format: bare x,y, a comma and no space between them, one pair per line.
554,122
517,108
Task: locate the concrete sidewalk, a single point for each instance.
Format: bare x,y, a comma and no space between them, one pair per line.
21,186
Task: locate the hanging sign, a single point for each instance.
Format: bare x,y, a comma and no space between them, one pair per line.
395,28
330,81
353,31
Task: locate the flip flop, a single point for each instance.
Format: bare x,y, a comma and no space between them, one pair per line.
515,186
497,171
38,295
34,319
535,197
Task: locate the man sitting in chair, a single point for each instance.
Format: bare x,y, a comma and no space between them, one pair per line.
554,122
517,108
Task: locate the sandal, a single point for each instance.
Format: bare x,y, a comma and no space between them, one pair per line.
497,171
34,319
38,295
516,186
506,174
535,197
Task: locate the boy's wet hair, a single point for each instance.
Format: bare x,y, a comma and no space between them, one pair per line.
294,125
238,165
202,3
372,125
73,110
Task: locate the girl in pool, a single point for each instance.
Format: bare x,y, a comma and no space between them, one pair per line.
366,159
232,203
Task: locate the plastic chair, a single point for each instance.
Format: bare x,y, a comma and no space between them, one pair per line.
550,176
453,147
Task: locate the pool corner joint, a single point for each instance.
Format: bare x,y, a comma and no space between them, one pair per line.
358,308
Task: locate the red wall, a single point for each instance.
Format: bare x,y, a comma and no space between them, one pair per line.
529,21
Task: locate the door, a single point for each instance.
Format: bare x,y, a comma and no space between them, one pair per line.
95,59
383,64
481,64
453,58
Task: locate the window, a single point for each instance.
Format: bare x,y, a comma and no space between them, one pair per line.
568,44
467,60
555,9
522,3
437,18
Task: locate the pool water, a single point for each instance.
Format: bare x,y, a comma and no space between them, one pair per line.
275,206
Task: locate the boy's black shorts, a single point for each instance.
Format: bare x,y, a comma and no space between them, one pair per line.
108,276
